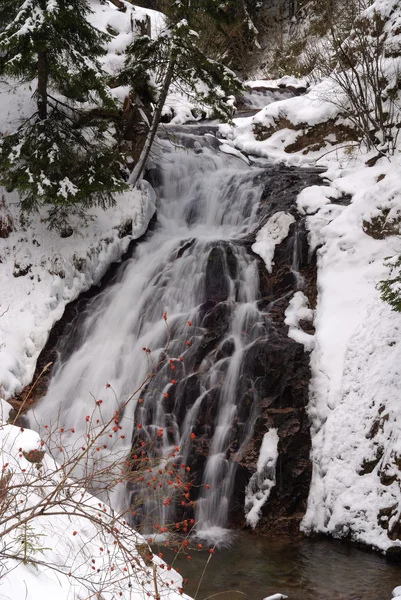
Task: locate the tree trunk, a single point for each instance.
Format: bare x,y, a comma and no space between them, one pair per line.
41,91
140,165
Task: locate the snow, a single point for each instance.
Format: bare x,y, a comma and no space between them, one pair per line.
262,482
298,309
271,235
228,149
314,197
286,81
107,18
63,542
396,592
355,385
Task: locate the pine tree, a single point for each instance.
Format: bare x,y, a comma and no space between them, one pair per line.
62,155
175,57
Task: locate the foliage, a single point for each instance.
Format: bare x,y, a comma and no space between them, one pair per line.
390,289
207,80
58,28
51,161
65,155
175,57
367,81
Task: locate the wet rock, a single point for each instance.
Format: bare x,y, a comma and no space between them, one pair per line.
273,382
218,317
217,283
226,350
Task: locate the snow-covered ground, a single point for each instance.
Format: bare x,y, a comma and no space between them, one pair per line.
355,391
41,272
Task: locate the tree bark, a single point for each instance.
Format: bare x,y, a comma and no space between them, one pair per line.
140,165
43,76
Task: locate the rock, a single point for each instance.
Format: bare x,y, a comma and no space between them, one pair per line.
217,285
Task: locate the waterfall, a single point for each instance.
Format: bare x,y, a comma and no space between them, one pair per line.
195,267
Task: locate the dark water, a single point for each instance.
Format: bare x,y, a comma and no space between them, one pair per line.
255,567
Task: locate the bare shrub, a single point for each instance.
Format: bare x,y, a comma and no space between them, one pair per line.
46,479
366,79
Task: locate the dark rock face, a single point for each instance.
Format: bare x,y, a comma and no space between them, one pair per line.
281,374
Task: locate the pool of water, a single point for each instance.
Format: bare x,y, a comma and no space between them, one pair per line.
254,567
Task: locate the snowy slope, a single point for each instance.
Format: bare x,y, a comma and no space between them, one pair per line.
355,390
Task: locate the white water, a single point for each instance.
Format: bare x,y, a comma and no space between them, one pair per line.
206,200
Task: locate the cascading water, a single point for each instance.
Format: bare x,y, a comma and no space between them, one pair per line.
196,267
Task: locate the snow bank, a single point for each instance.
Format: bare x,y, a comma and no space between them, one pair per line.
263,481
355,389
285,120
41,272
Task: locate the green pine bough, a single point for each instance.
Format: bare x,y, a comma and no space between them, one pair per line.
64,155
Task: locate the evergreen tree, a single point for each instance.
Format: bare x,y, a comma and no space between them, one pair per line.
62,155
175,57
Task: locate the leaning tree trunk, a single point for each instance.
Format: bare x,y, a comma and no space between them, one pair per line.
140,165
41,92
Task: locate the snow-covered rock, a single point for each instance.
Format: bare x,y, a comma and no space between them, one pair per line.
298,310
271,235
262,482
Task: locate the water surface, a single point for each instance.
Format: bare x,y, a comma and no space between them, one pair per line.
305,569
